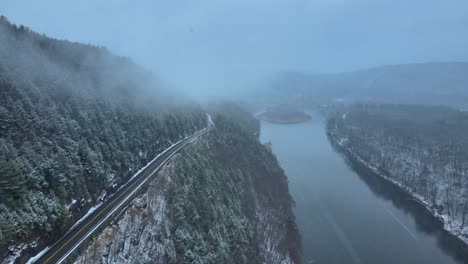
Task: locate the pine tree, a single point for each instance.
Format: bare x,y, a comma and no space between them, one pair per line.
6,230
12,181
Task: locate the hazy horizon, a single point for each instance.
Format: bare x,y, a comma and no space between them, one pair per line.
234,131
216,47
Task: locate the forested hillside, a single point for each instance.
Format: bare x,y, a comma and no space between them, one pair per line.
75,123
424,83
423,149
222,200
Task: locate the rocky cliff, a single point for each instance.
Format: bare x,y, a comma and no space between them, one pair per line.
222,200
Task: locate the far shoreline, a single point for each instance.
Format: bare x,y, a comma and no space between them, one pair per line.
284,118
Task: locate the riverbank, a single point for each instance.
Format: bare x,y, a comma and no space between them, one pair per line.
344,213
461,236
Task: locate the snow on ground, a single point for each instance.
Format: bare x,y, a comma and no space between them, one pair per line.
132,236
72,202
35,258
450,225
18,249
210,121
90,211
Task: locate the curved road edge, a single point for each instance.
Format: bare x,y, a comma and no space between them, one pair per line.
74,238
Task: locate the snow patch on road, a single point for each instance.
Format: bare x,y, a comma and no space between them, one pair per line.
38,256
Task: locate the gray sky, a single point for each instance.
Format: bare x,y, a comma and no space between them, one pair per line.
208,44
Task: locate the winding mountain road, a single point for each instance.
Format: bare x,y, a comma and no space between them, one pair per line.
64,247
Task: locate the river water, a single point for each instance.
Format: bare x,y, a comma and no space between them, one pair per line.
344,213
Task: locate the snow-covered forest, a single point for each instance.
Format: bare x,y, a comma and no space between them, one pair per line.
75,123
222,200
423,149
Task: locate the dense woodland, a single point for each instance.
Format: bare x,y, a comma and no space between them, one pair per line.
75,123
224,199
284,114
423,148
220,191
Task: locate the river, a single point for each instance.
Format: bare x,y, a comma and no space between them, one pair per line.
345,214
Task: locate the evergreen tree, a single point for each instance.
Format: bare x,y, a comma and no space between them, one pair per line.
12,181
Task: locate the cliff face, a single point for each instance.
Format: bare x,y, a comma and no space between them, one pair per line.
141,233
421,149
222,200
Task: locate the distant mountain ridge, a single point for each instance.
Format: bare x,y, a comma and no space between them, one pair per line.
443,83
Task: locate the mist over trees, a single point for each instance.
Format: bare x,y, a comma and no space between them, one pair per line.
75,122
232,197
222,199
423,83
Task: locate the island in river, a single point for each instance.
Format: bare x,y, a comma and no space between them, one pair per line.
284,115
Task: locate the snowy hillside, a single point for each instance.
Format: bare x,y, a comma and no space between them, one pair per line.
421,149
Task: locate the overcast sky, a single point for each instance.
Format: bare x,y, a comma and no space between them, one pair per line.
223,43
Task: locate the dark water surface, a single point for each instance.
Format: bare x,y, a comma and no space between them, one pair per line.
345,214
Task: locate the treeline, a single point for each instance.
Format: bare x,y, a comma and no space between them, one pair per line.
75,123
423,148
229,198
418,83
222,199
